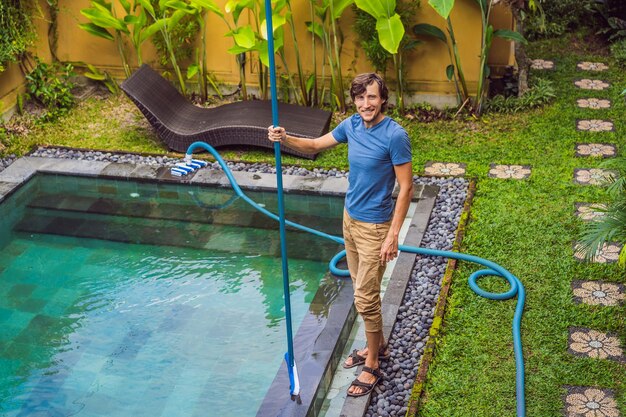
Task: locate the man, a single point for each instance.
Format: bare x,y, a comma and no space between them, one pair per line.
379,152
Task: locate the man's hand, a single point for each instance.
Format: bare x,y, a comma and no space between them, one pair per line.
276,134
389,249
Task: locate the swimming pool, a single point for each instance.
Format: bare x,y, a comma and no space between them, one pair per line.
122,298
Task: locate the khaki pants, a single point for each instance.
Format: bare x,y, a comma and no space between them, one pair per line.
363,242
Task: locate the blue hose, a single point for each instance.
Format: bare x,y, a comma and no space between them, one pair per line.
493,269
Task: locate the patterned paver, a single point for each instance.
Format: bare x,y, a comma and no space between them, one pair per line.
542,64
589,84
444,169
592,66
598,293
602,150
593,103
593,176
595,125
589,211
608,253
589,343
518,172
590,402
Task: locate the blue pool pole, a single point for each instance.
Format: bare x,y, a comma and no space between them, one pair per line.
294,384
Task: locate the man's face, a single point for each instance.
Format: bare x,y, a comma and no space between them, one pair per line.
369,104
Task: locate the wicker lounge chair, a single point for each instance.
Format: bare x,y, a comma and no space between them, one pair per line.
179,123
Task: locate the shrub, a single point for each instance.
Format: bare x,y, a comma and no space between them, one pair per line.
541,93
618,50
560,16
611,226
49,84
18,32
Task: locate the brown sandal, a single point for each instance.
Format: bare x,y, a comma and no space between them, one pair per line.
368,387
383,354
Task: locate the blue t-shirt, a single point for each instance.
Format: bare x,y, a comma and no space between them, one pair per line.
372,154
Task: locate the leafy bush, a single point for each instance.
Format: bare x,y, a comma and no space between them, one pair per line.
611,226
560,16
541,93
18,32
618,50
49,84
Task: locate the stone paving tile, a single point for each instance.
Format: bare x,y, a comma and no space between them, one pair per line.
518,172
444,169
590,402
593,176
592,66
594,125
542,64
589,343
608,253
589,211
604,150
593,103
598,293
589,84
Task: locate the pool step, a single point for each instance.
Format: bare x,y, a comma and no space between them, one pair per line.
208,208
147,231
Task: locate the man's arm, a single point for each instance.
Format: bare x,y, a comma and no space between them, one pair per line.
305,145
404,175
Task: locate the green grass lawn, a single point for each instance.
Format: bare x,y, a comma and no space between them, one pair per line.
526,226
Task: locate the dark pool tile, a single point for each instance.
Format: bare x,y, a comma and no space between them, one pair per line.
21,291
32,305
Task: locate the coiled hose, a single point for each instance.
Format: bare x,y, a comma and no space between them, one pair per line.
493,269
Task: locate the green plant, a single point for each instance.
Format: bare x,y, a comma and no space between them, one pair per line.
18,32
540,94
323,25
104,77
181,37
559,17
50,85
444,8
618,51
389,21
611,225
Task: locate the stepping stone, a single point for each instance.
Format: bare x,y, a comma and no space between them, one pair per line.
518,172
444,169
593,103
596,293
603,150
590,402
592,66
593,176
589,343
587,84
541,64
594,125
608,253
589,211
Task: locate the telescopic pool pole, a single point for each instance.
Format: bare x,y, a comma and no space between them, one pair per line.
294,383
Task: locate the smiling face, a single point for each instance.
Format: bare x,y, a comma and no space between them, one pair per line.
369,105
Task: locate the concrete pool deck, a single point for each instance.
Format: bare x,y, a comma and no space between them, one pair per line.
319,342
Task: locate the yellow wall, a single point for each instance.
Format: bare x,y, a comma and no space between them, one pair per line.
425,64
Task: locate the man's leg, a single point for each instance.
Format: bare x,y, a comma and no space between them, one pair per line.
363,243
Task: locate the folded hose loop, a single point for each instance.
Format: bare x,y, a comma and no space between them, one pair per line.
493,269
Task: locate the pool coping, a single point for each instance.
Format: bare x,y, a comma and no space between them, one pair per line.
321,351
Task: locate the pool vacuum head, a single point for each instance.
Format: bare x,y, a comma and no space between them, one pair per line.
183,168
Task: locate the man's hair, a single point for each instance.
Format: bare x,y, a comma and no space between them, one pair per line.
360,83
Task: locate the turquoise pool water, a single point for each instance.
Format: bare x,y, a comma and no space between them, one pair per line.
132,299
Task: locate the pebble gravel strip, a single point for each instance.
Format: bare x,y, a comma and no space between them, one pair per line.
415,316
